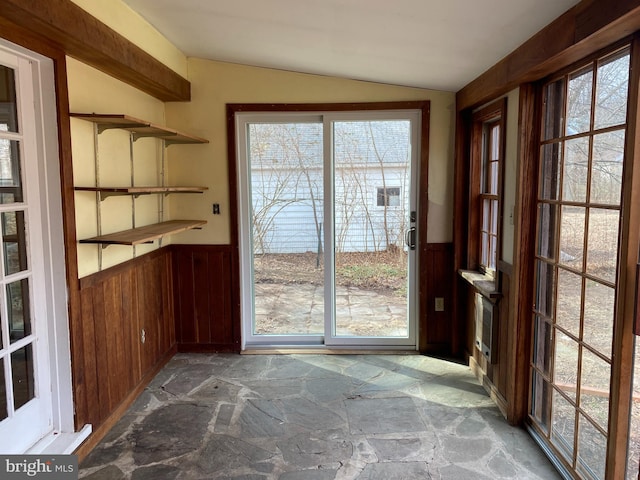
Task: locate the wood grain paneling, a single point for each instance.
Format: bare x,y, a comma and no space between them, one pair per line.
71,29
109,358
207,312
436,329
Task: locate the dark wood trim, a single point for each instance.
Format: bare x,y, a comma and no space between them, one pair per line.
63,24
423,200
208,347
424,289
519,338
460,227
584,29
623,342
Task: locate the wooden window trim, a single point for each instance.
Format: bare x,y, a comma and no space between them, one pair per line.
496,112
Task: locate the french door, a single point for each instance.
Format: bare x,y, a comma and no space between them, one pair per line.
328,228
25,385
574,401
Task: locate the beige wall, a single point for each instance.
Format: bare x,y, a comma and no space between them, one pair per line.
91,91
214,84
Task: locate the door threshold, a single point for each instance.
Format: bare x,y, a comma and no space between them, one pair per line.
297,350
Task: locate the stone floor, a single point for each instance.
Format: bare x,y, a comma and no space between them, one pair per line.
315,417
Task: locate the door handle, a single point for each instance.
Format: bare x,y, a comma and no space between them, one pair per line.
410,238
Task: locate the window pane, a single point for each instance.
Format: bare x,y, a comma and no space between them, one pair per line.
572,227
10,181
3,392
599,307
565,375
14,242
576,166
564,425
18,308
22,375
579,102
540,400
592,450
569,302
602,250
553,110
542,346
494,217
8,105
594,387
546,230
545,288
550,171
486,214
606,171
611,90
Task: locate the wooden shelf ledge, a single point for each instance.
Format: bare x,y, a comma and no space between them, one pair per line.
484,284
146,234
139,128
106,192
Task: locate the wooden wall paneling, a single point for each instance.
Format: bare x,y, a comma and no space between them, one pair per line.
207,317
437,327
204,278
220,298
186,331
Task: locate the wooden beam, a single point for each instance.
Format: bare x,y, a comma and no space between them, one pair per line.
83,37
581,31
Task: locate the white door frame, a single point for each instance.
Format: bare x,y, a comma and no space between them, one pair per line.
330,340
44,176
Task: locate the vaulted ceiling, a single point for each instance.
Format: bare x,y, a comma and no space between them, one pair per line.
438,44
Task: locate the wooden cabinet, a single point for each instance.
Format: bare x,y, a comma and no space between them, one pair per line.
138,129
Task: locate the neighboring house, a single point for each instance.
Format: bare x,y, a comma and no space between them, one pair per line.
371,165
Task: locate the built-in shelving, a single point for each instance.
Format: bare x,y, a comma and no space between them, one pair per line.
146,234
139,128
106,192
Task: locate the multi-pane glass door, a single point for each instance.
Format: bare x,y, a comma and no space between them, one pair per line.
25,403
576,264
328,211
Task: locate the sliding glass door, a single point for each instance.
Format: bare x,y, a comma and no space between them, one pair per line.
328,228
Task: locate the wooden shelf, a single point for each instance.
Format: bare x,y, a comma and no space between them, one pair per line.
146,234
139,128
106,192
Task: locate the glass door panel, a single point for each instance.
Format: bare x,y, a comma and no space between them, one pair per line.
287,223
372,185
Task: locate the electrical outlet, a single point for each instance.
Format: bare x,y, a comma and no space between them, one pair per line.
439,304
216,209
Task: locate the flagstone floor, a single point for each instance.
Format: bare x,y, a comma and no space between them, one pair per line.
315,417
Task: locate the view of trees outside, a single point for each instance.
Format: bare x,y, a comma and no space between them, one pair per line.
370,184
581,200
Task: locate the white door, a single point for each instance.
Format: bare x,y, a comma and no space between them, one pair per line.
328,216
25,383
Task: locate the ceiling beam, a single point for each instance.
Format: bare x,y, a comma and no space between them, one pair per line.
83,37
581,31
